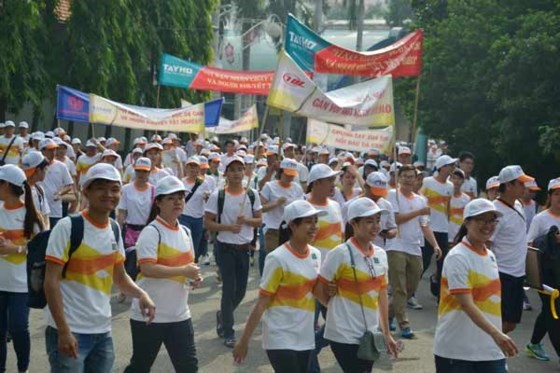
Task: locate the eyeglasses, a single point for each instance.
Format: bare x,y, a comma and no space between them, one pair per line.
408,177
487,221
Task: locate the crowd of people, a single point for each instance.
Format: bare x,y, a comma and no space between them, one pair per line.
342,241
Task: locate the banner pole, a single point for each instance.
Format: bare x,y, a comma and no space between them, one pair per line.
412,136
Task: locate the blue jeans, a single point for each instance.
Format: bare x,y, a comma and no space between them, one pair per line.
196,226
262,251
95,353
445,365
14,318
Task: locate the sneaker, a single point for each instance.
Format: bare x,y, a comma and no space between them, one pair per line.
527,306
407,333
207,259
229,342
392,325
252,261
218,276
219,327
413,304
536,351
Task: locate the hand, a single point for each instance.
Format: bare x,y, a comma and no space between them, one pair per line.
240,352
68,344
392,347
197,282
424,211
241,220
281,201
192,271
273,167
235,228
56,196
147,307
438,252
332,289
506,344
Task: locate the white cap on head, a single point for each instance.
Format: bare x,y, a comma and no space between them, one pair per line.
111,141
404,150
445,160
76,140
321,171
47,144
554,184
103,171
492,182
249,159
12,174
49,134
372,163
30,161
91,144
142,164
479,206
37,136
363,207
58,141
23,124
193,160
272,149
234,159
101,139
152,145
395,166
378,183
9,123
333,160
300,209
137,150
289,167
169,185
511,173
109,153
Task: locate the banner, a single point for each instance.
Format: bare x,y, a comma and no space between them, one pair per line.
189,119
368,104
247,122
71,104
313,53
176,72
322,133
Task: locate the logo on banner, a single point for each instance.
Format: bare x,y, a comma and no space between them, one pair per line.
177,69
75,103
293,80
302,41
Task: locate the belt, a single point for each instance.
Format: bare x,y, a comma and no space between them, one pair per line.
135,227
242,247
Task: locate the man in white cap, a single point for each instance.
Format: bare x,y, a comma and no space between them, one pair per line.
23,128
266,174
91,157
11,146
303,171
229,146
404,155
78,287
234,214
509,243
60,155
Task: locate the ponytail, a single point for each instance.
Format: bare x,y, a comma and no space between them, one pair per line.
154,211
284,233
461,234
32,216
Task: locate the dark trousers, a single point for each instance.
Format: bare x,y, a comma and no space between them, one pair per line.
289,361
234,268
346,356
53,221
545,323
131,265
196,226
14,318
178,338
444,365
428,252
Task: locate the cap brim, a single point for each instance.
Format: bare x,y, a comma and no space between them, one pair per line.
88,182
193,162
204,166
290,172
142,168
492,186
498,213
312,212
174,190
525,178
370,213
382,192
51,146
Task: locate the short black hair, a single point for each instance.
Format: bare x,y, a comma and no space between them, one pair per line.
465,155
227,142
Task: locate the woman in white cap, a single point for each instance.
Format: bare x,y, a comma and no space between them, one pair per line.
34,166
348,191
19,222
166,258
469,335
286,295
359,269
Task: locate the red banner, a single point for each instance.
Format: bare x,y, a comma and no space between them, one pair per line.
251,83
403,58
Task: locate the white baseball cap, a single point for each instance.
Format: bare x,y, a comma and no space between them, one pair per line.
12,174
378,183
76,140
37,136
47,144
143,164
138,140
169,185
445,160
137,151
23,124
213,156
300,209
511,173
333,160
166,141
234,159
111,140
321,171
193,160
404,150
30,161
272,149
249,159
554,184
203,162
289,167
155,138
152,145
58,141
533,186
492,182
91,144
49,134
103,171
101,139
362,207
109,153
9,123
479,206
395,166
371,163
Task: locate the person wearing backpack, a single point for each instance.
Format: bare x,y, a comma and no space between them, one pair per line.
19,222
79,279
167,270
234,213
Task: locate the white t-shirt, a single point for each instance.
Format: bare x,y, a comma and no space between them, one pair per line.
40,200
409,237
170,246
288,278
157,174
271,192
457,336
345,323
438,195
470,187
341,199
71,166
137,203
15,151
387,220
84,162
56,178
234,205
86,289
195,207
330,227
303,172
509,242
530,212
541,224
456,207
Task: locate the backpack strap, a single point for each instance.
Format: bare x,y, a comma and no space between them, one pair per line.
222,197
76,236
116,229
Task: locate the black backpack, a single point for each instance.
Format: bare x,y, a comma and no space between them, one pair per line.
36,264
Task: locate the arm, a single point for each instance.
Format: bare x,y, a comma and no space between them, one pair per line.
213,226
505,343
320,291
267,206
429,235
8,247
129,287
151,269
255,221
121,217
241,348
401,218
384,321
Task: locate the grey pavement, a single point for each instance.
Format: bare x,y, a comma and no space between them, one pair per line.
214,357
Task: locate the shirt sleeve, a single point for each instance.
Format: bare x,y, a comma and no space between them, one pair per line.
121,256
212,205
66,177
257,205
147,245
329,266
272,276
534,229
267,192
456,270
59,242
123,201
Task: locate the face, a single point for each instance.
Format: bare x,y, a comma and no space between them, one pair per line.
286,178
154,155
516,188
40,173
407,179
142,176
289,152
367,228
325,186
405,158
298,155
492,194
171,205
91,151
109,160
234,173
445,171
49,154
368,169
23,131
457,181
305,229
192,170
467,165
271,159
214,164
481,227
9,131
230,148
60,151
348,178
555,199
103,195
323,158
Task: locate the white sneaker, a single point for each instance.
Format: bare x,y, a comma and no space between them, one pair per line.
412,303
206,259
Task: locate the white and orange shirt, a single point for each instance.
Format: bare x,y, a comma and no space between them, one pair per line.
468,270
509,241
330,227
86,289
456,207
13,267
84,162
164,244
288,279
541,224
15,152
137,203
438,195
272,191
470,187
345,322
409,238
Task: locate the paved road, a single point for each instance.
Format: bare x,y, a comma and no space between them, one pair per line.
214,357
